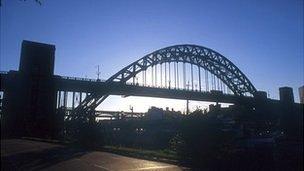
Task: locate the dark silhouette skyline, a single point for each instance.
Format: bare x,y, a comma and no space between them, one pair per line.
195,85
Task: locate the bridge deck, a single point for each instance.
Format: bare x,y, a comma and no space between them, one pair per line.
116,88
74,84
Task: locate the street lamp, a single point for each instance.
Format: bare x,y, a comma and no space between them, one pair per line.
98,73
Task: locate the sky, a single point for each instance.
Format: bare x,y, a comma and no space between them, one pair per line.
264,39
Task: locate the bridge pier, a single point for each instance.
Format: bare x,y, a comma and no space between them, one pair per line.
65,99
58,100
80,97
73,100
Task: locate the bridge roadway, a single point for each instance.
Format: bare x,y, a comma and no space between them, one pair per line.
74,84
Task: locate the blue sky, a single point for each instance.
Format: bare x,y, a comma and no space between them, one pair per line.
263,38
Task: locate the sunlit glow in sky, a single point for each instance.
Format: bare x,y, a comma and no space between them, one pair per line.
142,104
262,38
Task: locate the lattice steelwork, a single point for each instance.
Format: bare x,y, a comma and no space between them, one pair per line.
165,67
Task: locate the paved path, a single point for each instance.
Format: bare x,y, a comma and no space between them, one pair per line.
17,154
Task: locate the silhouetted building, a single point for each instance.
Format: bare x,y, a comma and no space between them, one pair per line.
261,95
214,107
301,94
286,94
30,96
155,113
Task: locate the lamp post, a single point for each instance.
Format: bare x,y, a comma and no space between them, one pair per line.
98,73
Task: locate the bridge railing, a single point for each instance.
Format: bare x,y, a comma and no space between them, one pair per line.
174,88
128,83
82,79
212,92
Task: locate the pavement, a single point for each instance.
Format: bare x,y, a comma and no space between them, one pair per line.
21,154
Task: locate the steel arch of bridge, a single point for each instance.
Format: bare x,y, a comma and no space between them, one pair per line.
200,56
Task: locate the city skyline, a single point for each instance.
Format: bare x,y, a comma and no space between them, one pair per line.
81,47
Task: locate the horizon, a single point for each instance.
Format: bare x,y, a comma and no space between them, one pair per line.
252,42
